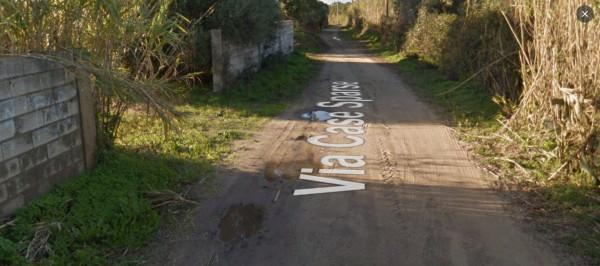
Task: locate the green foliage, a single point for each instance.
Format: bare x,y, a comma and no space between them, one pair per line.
582,207
241,21
309,14
258,18
9,254
441,6
476,42
264,93
427,39
91,219
468,105
570,196
94,213
132,47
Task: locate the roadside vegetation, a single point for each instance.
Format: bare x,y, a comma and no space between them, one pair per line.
161,126
519,91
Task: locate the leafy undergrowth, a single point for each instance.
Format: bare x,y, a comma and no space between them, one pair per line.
89,217
95,218
469,105
209,121
568,210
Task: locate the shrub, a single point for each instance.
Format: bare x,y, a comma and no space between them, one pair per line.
308,14
429,35
258,18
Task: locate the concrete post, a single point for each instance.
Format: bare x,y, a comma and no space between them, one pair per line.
87,107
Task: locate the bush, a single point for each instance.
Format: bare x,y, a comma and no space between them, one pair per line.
429,35
242,21
308,14
258,18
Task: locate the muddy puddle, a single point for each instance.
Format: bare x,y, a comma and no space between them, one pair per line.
241,221
301,137
275,170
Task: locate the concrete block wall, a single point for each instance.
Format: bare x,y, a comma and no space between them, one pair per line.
41,129
230,60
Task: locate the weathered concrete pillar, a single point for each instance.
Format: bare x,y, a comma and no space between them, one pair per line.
87,107
287,36
231,59
218,61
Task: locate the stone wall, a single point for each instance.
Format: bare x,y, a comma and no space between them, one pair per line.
230,60
42,138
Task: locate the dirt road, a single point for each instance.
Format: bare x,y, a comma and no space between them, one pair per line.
423,203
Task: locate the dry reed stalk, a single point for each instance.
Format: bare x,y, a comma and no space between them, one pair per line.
560,67
130,47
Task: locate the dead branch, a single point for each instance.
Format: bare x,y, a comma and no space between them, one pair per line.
167,197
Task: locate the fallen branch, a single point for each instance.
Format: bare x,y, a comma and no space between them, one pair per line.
555,174
523,169
475,75
9,223
166,197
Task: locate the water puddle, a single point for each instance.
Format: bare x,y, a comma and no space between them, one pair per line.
317,116
241,221
276,170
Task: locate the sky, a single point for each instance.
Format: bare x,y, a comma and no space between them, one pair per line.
331,1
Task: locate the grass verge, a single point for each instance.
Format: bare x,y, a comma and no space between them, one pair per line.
567,211
94,218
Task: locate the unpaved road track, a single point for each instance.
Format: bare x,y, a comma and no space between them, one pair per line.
425,202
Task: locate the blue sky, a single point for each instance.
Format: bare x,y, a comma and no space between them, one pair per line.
331,1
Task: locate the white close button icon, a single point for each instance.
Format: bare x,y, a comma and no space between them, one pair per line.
585,13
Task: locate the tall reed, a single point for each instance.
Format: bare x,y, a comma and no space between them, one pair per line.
130,47
560,68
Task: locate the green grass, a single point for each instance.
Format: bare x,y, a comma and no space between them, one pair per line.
93,218
469,105
210,121
94,214
573,215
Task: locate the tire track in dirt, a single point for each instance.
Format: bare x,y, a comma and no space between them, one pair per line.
388,173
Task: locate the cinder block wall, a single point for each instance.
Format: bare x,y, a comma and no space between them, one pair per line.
41,136
230,60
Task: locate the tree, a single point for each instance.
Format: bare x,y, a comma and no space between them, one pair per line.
309,14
